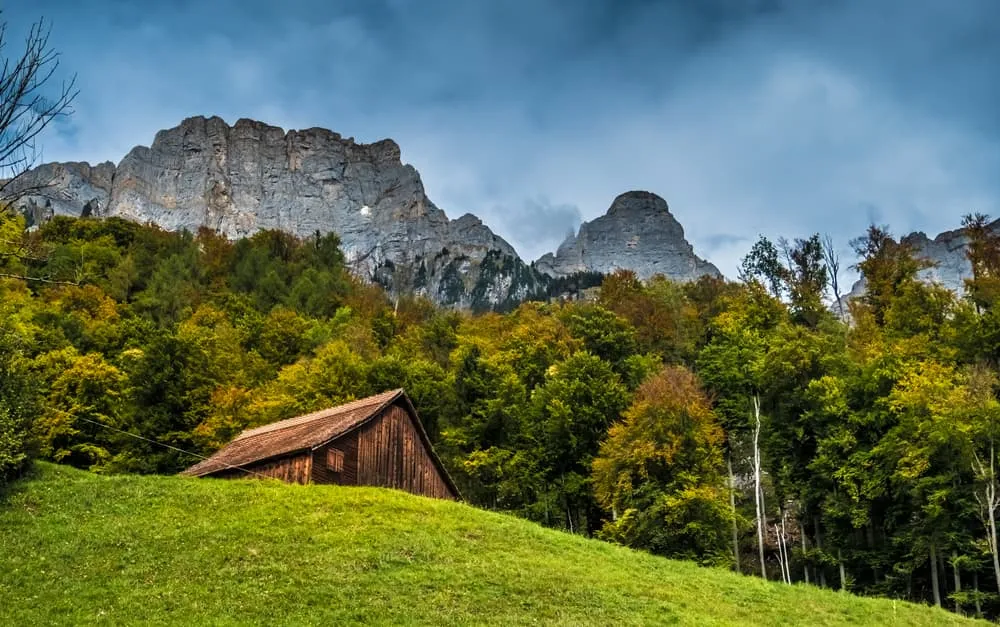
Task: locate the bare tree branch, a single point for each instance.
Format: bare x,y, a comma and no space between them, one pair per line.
22,277
25,109
832,259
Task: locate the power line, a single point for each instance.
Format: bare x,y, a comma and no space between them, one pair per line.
173,448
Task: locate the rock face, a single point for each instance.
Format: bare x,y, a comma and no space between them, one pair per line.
637,233
251,176
243,178
947,253
65,189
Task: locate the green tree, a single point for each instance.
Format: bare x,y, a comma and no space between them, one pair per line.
763,264
886,266
85,403
571,412
660,473
18,404
732,365
930,450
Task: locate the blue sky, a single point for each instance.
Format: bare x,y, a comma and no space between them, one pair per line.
782,117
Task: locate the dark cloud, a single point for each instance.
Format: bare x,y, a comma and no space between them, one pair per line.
537,225
723,240
783,117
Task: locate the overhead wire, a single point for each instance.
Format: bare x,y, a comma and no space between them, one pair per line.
173,448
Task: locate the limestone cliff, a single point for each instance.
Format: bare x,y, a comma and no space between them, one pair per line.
637,233
251,176
947,254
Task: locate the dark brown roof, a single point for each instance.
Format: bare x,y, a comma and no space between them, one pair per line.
296,434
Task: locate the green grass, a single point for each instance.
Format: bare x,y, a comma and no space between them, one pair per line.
77,548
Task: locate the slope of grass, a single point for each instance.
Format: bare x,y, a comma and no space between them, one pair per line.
77,548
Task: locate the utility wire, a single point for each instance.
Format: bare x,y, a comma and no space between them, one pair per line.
173,448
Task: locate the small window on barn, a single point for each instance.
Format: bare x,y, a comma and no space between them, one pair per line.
335,460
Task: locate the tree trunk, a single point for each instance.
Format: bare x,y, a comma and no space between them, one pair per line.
943,573
805,562
992,539
988,505
870,539
819,545
732,507
783,541
781,553
975,588
758,492
934,576
843,572
958,580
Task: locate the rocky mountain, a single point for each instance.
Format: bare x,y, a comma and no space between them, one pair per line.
947,254
250,176
637,233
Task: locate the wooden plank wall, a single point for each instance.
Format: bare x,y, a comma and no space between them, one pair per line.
321,474
391,454
295,469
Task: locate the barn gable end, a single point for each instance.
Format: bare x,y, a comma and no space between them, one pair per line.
376,441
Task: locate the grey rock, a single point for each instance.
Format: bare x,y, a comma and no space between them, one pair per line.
58,189
251,176
947,253
637,233
240,179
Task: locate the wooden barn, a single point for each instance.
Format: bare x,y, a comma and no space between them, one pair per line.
375,441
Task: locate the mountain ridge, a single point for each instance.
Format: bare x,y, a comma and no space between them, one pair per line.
250,176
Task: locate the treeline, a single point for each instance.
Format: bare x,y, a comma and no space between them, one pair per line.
740,424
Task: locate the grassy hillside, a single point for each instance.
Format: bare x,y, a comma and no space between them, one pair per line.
77,548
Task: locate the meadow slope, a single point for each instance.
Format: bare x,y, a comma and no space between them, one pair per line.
78,548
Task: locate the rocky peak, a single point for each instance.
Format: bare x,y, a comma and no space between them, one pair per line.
637,202
638,233
251,176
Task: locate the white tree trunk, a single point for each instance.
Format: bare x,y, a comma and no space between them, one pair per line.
781,553
784,542
758,492
988,503
732,507
993,536
843,572
991,499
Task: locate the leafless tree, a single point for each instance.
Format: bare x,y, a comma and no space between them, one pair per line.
26,105
832,259
25,111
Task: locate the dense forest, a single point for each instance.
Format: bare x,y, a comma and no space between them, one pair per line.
740,424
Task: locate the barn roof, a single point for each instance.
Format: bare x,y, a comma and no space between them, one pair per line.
304,433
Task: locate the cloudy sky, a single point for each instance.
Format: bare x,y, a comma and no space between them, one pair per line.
781,117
